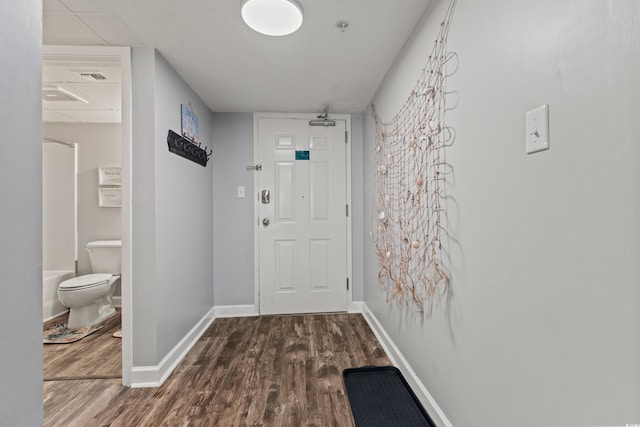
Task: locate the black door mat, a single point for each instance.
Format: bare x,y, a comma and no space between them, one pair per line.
380,396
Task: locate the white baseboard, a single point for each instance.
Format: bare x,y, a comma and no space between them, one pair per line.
236,310
437,415
154,376
116,301
251,310
356,307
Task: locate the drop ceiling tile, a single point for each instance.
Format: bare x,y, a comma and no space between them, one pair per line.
94,116
67,30
56,116
104,95
48,78
63,105
97,97
53,5
112,30
84,5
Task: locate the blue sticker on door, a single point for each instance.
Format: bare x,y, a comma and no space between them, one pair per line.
302,155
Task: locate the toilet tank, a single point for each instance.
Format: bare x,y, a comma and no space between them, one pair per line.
105,256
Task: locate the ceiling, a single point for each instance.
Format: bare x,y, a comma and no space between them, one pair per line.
232,68
80,87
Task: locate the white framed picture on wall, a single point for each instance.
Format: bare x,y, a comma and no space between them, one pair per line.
109,175
110,197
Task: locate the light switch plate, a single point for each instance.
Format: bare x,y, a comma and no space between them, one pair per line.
241,192
537,130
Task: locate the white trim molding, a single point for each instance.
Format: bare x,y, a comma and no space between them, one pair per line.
355,307
398,360
256,205
154,376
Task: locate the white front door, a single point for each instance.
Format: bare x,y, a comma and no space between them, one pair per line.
302,223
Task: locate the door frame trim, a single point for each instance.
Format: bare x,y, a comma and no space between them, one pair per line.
124,54
256,206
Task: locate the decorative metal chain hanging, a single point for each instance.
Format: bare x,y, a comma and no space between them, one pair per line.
410,174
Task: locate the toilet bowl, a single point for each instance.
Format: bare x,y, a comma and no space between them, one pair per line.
89,296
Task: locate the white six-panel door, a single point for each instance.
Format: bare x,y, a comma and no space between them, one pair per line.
302,221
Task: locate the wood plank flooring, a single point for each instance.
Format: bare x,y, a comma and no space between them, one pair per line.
257,371
98,355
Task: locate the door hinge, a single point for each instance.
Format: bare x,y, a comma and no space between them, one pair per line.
346,137
347,283
347,210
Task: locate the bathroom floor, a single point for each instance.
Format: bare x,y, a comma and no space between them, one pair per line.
96,356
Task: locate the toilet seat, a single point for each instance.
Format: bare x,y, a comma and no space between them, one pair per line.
87,281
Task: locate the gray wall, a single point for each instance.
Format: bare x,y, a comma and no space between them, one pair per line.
21,214
542,327
99,144
233,216
172,213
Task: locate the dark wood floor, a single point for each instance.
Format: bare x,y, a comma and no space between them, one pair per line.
258,371
98,355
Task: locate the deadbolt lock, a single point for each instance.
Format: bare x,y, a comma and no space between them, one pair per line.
266,197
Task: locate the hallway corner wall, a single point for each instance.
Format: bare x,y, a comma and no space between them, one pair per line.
233,216
172,214
184,212
541,326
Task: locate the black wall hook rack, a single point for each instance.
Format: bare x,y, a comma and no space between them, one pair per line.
186,148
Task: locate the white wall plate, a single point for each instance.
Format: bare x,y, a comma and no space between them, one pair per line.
537,130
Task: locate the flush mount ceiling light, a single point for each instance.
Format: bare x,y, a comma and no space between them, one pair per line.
272,17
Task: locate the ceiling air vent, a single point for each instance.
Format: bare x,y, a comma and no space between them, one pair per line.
93,76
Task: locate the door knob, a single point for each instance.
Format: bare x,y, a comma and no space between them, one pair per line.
265,222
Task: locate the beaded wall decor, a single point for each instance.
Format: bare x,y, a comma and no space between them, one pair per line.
410,173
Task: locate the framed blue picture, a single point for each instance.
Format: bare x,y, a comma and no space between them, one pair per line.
190,128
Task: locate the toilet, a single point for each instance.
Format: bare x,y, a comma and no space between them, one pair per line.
89,296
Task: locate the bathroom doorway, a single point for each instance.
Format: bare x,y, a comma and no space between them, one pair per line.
86,105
